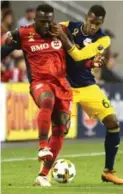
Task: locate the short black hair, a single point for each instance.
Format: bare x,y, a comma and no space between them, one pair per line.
45,8
98,10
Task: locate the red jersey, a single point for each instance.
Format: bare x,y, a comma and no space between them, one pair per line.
45,57
45,61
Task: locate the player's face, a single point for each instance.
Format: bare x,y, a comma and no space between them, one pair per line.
43,22
93,23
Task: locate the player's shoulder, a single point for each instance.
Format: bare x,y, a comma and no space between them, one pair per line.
71,24
27,27
101,33
74,23
64,27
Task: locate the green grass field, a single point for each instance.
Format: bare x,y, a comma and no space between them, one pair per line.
19,169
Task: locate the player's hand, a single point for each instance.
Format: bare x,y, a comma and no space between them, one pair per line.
99,61
56,30
9,38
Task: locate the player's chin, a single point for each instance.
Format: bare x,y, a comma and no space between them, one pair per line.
92,33
45,33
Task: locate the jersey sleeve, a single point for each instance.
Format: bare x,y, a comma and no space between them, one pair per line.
6,49
16,37
90,50
65,23
105,41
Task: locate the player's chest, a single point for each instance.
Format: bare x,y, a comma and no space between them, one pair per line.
33,43
81,40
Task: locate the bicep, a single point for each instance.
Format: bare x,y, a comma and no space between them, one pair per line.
105,41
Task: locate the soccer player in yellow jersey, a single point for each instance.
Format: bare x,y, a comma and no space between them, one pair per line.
87,93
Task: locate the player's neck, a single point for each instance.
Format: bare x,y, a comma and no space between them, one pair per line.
37,31
83,30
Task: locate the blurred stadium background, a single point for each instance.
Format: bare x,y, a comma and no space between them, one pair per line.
18,112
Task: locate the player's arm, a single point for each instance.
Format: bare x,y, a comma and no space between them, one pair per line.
90,50
87,52
65,23
12,43
65,36
67,40
105,42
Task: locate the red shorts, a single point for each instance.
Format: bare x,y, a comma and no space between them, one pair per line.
62,94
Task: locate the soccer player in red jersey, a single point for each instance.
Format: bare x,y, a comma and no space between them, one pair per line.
46,69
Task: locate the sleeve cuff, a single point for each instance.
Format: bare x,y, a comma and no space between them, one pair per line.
70,50
89,64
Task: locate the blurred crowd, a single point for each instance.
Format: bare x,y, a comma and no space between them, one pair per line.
13,68
108,73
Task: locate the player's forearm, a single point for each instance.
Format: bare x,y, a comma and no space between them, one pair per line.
89,51
6,50
85,53
68,45
12,43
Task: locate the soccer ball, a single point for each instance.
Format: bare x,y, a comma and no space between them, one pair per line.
63,171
